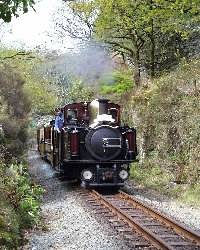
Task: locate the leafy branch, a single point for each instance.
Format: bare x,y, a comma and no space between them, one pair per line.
10,8
20,53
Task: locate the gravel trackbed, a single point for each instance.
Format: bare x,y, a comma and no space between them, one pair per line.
67,223
70,224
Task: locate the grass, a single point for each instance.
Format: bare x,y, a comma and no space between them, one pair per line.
189,194
159,179
151,177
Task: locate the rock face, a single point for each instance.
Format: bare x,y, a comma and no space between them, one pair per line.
68,225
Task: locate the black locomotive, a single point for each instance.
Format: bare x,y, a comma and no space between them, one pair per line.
91,146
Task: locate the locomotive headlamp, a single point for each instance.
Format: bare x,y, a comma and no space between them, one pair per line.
123,174
87,175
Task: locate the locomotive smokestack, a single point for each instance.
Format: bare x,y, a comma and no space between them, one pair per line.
103,107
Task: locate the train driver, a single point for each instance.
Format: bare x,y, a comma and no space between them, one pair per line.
59,121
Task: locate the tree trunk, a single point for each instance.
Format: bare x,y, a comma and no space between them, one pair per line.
137,73
152,57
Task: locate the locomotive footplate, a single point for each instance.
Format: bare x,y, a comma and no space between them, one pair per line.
92,162
93,184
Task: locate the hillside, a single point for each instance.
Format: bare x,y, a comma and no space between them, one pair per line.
166,115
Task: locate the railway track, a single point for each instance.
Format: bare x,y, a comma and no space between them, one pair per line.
142,226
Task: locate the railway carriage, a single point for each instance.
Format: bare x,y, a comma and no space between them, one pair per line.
92,146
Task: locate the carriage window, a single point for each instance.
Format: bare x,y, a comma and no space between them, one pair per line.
114,113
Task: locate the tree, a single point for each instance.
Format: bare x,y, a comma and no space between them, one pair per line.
117,84
76,22
37,87
10,8
142,31
15,106
79,93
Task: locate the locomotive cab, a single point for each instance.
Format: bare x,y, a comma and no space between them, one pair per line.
103,111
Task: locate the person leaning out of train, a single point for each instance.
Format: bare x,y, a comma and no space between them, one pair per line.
59,121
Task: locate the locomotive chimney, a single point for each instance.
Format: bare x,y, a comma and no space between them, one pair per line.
103,107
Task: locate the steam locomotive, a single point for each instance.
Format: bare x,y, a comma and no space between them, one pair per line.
92,146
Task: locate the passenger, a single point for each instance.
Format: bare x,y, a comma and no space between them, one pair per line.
59,121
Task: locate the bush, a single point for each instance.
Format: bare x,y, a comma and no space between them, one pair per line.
19,203
19,199
117,84
14,113
23,194
9,225
168,120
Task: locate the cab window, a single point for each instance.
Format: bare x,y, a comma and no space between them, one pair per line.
114,113
71,115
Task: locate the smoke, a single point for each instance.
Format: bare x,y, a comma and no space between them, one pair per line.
90,63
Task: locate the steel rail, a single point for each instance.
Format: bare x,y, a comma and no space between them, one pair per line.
147,234
178,227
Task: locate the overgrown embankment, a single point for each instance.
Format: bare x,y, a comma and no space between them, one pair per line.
166,115
19,200
19,204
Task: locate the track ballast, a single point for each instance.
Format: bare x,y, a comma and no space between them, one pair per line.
142,226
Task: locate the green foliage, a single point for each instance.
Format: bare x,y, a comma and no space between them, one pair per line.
20,201
191,194
152,176
19,197
11,8
167,118
15,107
147,33
9,225
137,16
43,98
79,93
24,195
118,83
37,87
160,179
